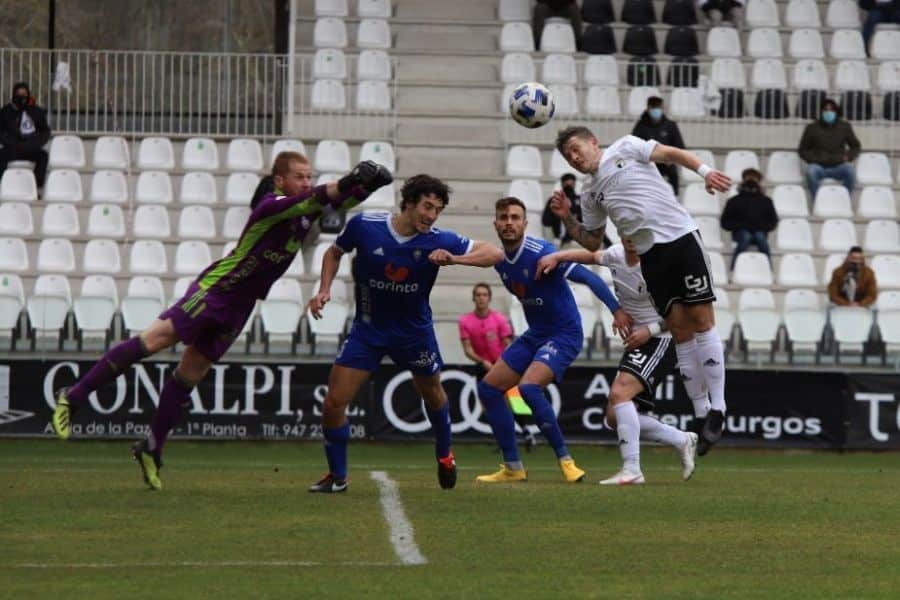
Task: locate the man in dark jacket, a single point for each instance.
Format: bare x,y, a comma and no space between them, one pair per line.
829,148
568,9
548,219
23,132
654,125
749,216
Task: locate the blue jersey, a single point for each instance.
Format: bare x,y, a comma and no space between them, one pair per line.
548,302
393,276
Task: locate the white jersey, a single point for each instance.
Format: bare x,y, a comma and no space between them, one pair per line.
628,189
631,289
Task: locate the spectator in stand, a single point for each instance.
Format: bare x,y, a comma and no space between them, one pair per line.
749,216
23,132
718,10
654,125
829,146
853,283
485,334
878,11
545,9
548,219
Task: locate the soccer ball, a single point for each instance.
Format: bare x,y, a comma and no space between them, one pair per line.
531,105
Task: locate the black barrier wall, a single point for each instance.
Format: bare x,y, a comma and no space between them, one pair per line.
283,401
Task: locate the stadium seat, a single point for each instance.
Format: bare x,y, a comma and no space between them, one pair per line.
66,152
707,157
558,37
802,13
806,43
601,70
18,185
373,33
751,269
517,67
151,221
559,166
784,167
681,41
142,303
328,94
885,44
790,201
877,202
373,65
710,232
331,8
106,220
505,95
198,188
102,256
60,220
794,234
235,219
852,75
728,73
804,326
724,326
12,302
200,154
286,146
111,152
738,160
63,185
379,152
156,153
557,68
244,154
797,270
723,42
330,327
837,235
882,236
637,99
598,39
13,255
95,308
764,43
698,202
180,288
524,161
848,44
373,96
48,308
832,262
281,312
761,13
754,298
316,261
851,326
566,100
887,270
148,257
603,101
810,74
516,37
153,187
384,198
330,32
768,74
842,14
638,12
191,258
109,187
717,268
687,102
889,76
679,12
239,188
873,168
196,222
373,9
228,247
55,255
332,156
640,41
529,192
832,201
759,330
16,219
297,267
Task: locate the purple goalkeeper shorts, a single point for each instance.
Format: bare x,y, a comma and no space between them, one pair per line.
206,322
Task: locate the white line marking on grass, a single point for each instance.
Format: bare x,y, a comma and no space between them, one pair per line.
198,564
401,529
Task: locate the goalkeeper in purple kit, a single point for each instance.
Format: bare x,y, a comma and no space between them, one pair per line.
213,311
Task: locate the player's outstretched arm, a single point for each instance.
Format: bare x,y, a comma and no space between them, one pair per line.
367,174
622,321
548,262
592,239
331,260
715,180
482,254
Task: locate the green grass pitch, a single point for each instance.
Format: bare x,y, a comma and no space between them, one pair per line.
234,520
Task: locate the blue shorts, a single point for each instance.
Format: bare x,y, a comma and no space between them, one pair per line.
556,351
420,355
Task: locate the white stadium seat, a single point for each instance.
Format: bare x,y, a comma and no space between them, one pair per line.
751,298
384,198
106,220
882,236
877,202
558,37
316,262
66,152
761,13
806,43
63,185
710,232
12,301
790,201
517,67
379,152
56,255
804,327
707,157
637,99
234,222
851,326
832,262
784,167
687,102
286,145
102,256
373,65
837,235
330,32
832,201
13,255
698,202
601,70
887,270
603,101
153,187
802,13
514,10
191,258
888,300
109,187
200,154
873,168
142,303
728,73
151,221
717,269
557,68
244,154
374,9
885,45
95,307
196,222
752,269
282,311
848,44
16,219
852,75
373,33
48,307
331,8
180,288
156,153
111,152
332,156
768,74
60,219
566,100
559,166
198,187
723,42
239,188
810,74
516,37
524,161
18,185
373,96
759,328
801,299
797,270
328,94
228,247
331,326
329,63
842,14
764,43
794,234
148,257
889,76
738,160
529,192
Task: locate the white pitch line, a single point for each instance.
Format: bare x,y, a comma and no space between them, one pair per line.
401,529
196,564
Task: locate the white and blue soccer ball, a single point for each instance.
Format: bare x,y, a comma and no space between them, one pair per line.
531,105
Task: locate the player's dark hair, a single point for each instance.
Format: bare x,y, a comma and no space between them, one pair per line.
19,85
854,249
421,185
481,284
567,177
579,131
283,161
508,201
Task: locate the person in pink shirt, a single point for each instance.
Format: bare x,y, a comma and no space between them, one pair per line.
485,334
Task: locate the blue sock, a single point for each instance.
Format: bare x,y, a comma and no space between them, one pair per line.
440,424
501,420
533,395
336,449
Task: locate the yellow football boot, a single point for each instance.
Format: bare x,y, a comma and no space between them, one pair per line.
572,473
505,474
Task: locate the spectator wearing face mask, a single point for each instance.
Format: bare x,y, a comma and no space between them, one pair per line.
829,147
548,219
654,125
23,132
853,283
749,216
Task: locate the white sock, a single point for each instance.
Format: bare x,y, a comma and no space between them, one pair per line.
712,360
692,376
654,430
629,429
